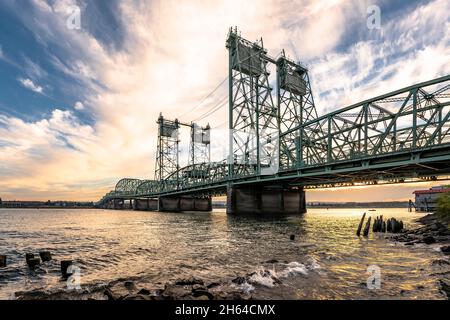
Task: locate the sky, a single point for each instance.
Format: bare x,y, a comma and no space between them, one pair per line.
79,103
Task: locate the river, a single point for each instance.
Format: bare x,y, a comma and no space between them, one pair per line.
325,261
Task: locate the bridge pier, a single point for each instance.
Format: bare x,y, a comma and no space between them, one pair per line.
177,204
145,204
118,204
265,200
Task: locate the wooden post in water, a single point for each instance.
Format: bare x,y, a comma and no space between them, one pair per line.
367,227
28,257
360,224
2,260
45,256
65,264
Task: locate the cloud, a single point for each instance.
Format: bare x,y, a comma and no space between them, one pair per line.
173,54
34,70
29,84
78,106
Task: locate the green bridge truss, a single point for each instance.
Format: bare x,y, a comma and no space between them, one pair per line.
397,137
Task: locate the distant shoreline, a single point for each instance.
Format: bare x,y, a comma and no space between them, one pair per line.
344,205
222,205
51,207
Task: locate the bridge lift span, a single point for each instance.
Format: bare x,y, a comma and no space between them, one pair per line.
279,145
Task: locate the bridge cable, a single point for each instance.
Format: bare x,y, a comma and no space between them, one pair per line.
212,110
206,97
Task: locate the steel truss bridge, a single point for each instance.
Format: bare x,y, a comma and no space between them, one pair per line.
277,139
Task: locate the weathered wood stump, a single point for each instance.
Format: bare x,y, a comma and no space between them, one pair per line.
358,232
29,256
378,224
395,226
65,264
380,227
45,256
375,225
367,227
33,262
2,260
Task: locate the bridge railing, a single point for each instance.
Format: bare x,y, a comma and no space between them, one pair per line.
408,119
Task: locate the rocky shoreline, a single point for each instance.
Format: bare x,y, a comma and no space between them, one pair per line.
271,273
182,289
434,232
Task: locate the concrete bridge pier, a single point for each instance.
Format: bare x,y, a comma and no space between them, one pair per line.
118,204
128,204
265,200
145,204
177,204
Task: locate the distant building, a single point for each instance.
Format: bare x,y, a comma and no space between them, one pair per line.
426,200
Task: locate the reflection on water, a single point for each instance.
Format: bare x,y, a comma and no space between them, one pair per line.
326,259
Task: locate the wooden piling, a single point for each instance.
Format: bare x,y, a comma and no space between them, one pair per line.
358,232
65,264
45,256
2,261
395,226
33,262
367,227
377,225
29,256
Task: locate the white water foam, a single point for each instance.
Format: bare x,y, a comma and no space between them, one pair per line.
293,268
269,278
245,287
264,277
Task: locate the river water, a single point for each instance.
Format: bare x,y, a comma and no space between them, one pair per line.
325,261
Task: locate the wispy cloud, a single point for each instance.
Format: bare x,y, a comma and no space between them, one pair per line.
29,84
34,70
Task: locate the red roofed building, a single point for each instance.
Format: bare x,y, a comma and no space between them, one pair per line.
426,200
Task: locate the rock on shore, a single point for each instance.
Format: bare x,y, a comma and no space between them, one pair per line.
433,232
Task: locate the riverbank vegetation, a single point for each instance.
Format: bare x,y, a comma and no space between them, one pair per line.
443,207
